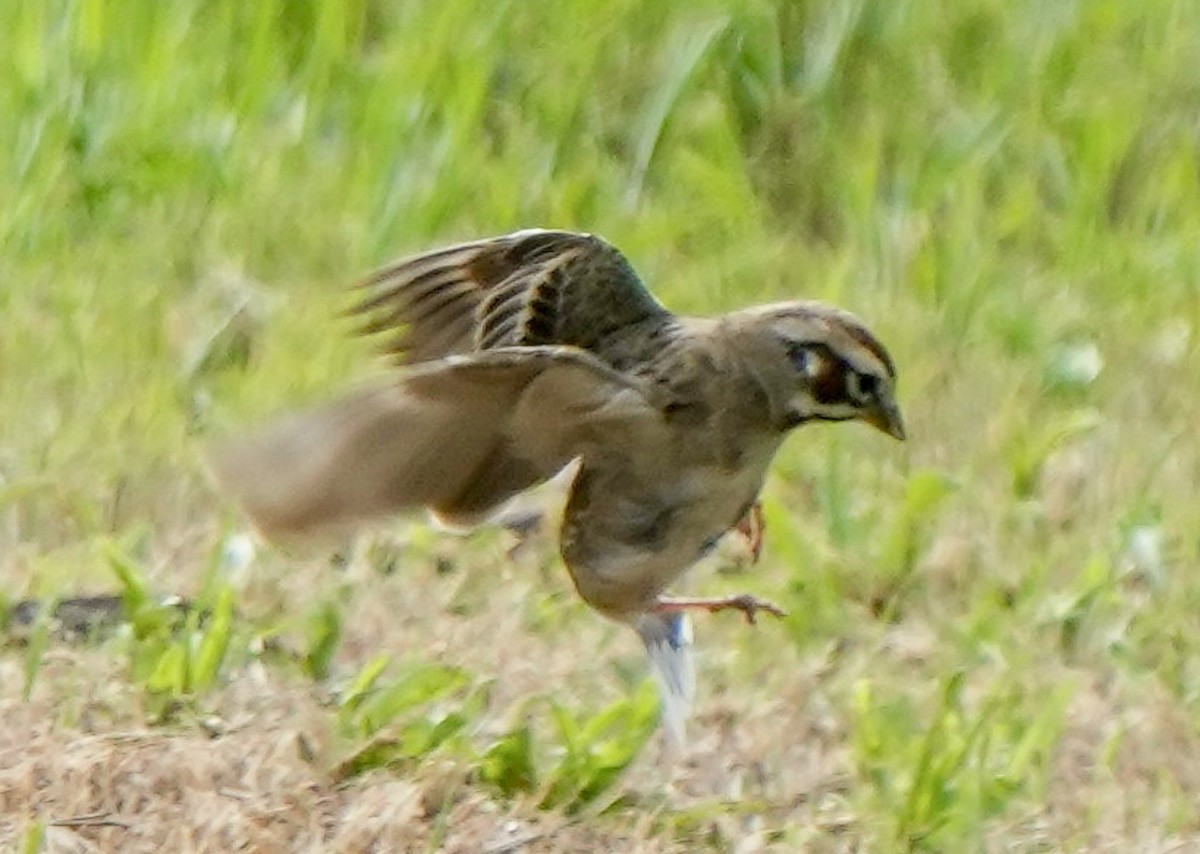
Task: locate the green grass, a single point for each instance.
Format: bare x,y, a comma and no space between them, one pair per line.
993,643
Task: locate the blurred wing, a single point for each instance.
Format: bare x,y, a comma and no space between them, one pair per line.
528,288
458,437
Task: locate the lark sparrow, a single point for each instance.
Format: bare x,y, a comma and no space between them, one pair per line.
524,352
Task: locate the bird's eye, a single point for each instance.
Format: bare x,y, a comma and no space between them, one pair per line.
862,387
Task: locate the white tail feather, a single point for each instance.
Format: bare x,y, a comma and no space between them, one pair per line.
668,641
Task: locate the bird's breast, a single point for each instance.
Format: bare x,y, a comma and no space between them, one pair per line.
629,531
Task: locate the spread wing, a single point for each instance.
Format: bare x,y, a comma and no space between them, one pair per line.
459,436
528,288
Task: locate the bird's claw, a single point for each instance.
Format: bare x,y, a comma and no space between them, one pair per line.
747,604
751,605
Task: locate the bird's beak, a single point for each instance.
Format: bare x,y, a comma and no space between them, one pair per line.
886,417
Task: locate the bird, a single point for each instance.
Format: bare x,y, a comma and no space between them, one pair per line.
524,353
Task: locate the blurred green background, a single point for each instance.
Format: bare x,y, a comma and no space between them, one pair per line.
1001,614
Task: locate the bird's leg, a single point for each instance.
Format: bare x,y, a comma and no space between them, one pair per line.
751,527
747,604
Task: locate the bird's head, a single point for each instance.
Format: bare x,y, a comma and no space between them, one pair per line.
826,366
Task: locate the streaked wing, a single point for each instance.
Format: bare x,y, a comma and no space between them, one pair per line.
529,288
459,437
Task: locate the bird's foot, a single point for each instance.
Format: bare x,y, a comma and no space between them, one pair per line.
751,527
747,604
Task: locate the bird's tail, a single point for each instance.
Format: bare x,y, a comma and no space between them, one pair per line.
668,640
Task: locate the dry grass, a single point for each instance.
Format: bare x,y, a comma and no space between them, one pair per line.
259,771
771,769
